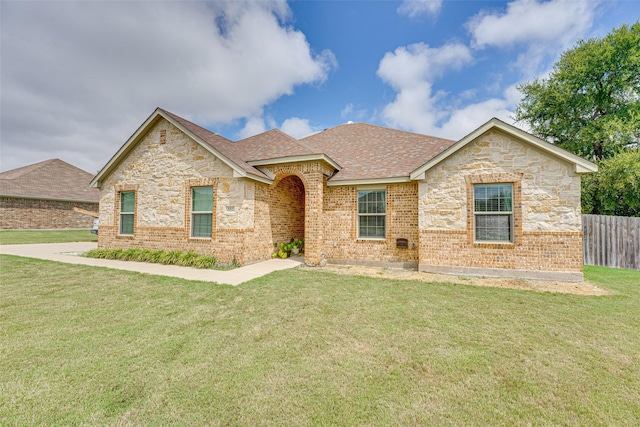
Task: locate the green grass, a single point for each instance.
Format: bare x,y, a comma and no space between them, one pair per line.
91,346
12,237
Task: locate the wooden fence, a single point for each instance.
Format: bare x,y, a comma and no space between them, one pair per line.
611,241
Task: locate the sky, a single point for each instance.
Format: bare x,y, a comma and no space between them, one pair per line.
77,78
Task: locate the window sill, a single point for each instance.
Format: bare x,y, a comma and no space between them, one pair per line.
494,245
371,239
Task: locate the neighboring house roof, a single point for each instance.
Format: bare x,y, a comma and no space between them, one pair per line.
360,153
51,180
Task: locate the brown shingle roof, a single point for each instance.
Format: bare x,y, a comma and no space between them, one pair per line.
367,151
51,179
272,144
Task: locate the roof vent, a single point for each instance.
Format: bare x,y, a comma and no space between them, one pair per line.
349,122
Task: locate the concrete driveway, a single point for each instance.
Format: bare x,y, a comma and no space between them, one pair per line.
69,253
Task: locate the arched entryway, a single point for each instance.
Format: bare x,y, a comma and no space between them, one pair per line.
287,210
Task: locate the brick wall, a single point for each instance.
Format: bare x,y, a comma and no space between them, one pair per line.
18,213
287,206
340,242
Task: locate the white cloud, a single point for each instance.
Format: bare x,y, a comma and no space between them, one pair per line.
410,65
297,127
80,77
544,28
530,21
463,121
352,113
540,29
413,8
253,126
410,71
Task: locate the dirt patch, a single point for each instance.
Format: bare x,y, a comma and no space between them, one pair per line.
577,288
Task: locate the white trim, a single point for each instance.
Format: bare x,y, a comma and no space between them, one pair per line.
267,172
296,159
377,214
370,181
581,165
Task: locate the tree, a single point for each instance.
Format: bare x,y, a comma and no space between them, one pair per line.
615,189
590,103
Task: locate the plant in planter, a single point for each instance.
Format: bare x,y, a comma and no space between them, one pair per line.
297,246
284,250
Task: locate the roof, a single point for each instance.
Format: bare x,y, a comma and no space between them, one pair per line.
52,180
374,153
359,153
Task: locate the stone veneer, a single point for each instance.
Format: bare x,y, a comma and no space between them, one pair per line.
20,213
161,169
547,228
434,215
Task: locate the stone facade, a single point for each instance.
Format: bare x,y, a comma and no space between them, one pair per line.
547,217
434,215
161,170
19,213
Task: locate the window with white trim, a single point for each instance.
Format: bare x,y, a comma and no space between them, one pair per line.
127,212
201,211
493,212
372,209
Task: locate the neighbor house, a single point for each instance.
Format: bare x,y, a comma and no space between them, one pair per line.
43,195
498,202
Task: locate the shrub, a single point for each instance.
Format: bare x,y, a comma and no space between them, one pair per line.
183,259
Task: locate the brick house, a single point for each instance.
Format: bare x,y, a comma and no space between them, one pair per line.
43,196
498,202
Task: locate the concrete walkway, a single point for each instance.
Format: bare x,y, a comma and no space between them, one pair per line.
68,252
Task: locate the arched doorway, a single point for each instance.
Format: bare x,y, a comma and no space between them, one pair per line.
288,210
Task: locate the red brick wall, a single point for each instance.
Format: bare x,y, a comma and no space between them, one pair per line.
43,214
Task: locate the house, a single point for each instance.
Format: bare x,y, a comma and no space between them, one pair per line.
498,202
43,195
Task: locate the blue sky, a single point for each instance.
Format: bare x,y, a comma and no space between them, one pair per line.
78,78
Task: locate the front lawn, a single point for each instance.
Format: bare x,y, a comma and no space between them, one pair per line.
12,237
93,346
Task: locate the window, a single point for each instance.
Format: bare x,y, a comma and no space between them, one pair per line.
372,207
127,208
493,210
201,211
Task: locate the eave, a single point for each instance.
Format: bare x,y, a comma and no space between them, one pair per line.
369,181
297,159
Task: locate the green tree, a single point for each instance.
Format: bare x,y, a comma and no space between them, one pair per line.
615,189
590,102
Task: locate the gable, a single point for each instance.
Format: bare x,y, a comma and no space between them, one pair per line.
218,146
580,165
